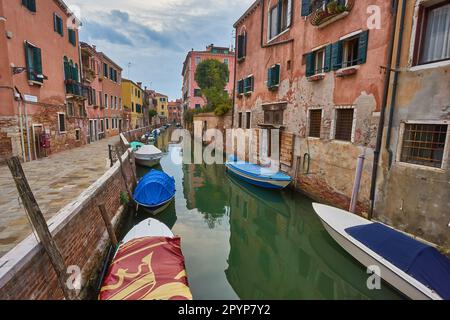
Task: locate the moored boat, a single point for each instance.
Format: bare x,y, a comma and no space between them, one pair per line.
148,265
155,191
414,268
148,156
257,175
135,145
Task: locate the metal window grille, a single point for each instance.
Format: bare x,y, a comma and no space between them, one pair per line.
344,124
424,144
315,123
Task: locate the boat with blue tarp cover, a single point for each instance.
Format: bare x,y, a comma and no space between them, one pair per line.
257,175
415,268
155,191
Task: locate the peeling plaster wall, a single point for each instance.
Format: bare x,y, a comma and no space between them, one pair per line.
416,199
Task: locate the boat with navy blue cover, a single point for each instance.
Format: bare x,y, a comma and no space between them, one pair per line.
257,175
155,191
413,267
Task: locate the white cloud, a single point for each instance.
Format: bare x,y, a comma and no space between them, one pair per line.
155,36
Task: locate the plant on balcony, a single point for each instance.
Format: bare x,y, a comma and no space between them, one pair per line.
332,9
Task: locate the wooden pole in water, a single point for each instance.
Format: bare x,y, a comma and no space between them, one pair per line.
109,227
124,176
132,165
40,225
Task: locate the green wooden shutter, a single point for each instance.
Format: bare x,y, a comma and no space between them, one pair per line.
310,64
240,46
29,61
336,55
269,78
37,56
362,48
327,66
55,22
306,8
72,37
276,74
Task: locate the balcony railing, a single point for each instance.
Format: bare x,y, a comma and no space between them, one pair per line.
89,74
75,89
325,10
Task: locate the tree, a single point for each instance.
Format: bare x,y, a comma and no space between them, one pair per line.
212,76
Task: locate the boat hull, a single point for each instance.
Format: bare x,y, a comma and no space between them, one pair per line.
155,210
148,162
260,182
389,273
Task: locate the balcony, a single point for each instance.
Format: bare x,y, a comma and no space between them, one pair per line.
88,74
325,12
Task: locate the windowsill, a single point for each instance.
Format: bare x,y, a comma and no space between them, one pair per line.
278,35
347,71
35,83
249,93
241,59
345,142
274,88
430,65
419,166
314,138
62,132
316,77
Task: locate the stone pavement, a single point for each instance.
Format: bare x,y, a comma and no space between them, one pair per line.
56,181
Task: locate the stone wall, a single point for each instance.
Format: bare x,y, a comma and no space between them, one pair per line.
80,233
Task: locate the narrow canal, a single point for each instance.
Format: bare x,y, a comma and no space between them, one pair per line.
243,242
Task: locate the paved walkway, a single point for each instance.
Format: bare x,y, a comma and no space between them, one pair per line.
56,181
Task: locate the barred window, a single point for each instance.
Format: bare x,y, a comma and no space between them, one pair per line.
344,124
315,123
424,144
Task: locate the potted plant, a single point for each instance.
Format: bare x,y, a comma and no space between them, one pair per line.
332,7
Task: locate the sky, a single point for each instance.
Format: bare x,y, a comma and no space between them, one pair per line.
156,35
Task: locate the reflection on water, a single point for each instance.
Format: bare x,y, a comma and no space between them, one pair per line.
243,242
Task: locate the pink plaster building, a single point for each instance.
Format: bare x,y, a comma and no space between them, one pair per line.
192,98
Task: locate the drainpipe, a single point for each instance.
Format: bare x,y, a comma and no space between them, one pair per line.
234,76
357,184
20,101
28,131
384,104
395,84
263,9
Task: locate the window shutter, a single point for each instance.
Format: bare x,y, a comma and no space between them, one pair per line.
289,13
32,5
327,65
29,61
310,64
276,74
37,60
306,8
269,77
252,84
336,55
362,49
245,44
240,46
55,22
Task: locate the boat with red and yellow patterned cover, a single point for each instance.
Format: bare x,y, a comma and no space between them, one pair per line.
148,265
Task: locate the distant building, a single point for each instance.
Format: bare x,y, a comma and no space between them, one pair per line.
192,97
162,103
174,111
41,96
133,101
102,79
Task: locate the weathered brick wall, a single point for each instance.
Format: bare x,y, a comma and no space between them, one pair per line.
81,237
8,127
135,135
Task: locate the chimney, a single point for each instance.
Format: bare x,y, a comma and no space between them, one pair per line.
139,84
210,47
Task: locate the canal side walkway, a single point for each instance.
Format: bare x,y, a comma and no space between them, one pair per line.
56,181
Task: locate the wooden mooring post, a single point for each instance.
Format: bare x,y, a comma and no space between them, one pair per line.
124,176
40,225
109,227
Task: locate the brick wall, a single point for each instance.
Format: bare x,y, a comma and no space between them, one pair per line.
80,233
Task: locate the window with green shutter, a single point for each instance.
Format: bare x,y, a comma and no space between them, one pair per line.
58,24
273,77
33,57
336,55
72,36
30,5
310,64
248,84
306,8
240,87
242,46
105,70
350,52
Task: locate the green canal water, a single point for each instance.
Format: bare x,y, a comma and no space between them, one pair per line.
243,242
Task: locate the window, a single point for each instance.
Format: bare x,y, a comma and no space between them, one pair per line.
30,5
344,124
198,60
72,36
248,84
240,120
111,73
70,109
424,144
105,70
198,106
120,103
34,63
106,100
242,46
248,119
433,34
112,102
100,95
273,77
315,123
197,93
280,17
226,61
350,52
107,124
58,24
102,125
318,61
77,134
274,117
61,122
81,111
240,87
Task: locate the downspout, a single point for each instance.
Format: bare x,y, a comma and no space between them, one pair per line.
395,84
263,12
384,103
234,76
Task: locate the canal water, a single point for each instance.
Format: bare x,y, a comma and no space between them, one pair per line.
244,242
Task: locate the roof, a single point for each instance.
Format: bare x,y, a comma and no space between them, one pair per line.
207,51
247,13
70,13
132,82
103,56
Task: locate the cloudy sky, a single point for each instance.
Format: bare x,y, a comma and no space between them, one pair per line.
155,35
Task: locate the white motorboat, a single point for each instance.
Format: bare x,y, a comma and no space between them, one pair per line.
414,268
148,156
